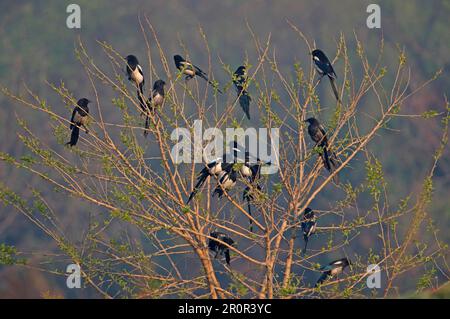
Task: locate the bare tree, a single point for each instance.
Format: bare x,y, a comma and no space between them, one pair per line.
144,195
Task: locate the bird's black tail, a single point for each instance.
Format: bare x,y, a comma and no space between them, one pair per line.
330,163
74,136
201,180
203,76
248,197
227,256
326,158
244,101
306,244
249,206
147,125
334,164
219,191
146,108
335,90
322,279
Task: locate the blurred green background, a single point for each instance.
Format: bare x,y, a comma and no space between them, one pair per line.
36,46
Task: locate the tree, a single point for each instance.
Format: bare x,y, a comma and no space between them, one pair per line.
136,185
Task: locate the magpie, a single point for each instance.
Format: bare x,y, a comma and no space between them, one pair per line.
324,67
318,135
214,168
333,269
155,100
308,225
134,72
219,248
239,80
190,70
79,118
227,180
228,176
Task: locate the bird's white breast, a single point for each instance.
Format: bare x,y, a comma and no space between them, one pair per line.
216,169
158,99
78,119
189,72
137,76
227,182
246,171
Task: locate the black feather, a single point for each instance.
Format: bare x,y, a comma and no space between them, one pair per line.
74,135
244,102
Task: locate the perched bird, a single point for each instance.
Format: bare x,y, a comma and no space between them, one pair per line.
155,100
227,180
134,72
191,70
228,176
333,269
308,225
79,118
213,168
239,80
324,67
218,247
318,135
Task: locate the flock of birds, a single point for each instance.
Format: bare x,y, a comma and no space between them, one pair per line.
223,169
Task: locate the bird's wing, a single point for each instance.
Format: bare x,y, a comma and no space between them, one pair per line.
129,71
256,170
331,72
322,278
326,268
239,81
186,65
323,137
200,73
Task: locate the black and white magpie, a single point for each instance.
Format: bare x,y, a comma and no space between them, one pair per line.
308,225
333,269
228,176
239,80
227,180
79,118
155,100
218,247
190,70
134,72
214,168
319,136
324,67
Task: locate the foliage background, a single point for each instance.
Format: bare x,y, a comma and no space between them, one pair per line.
36,45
